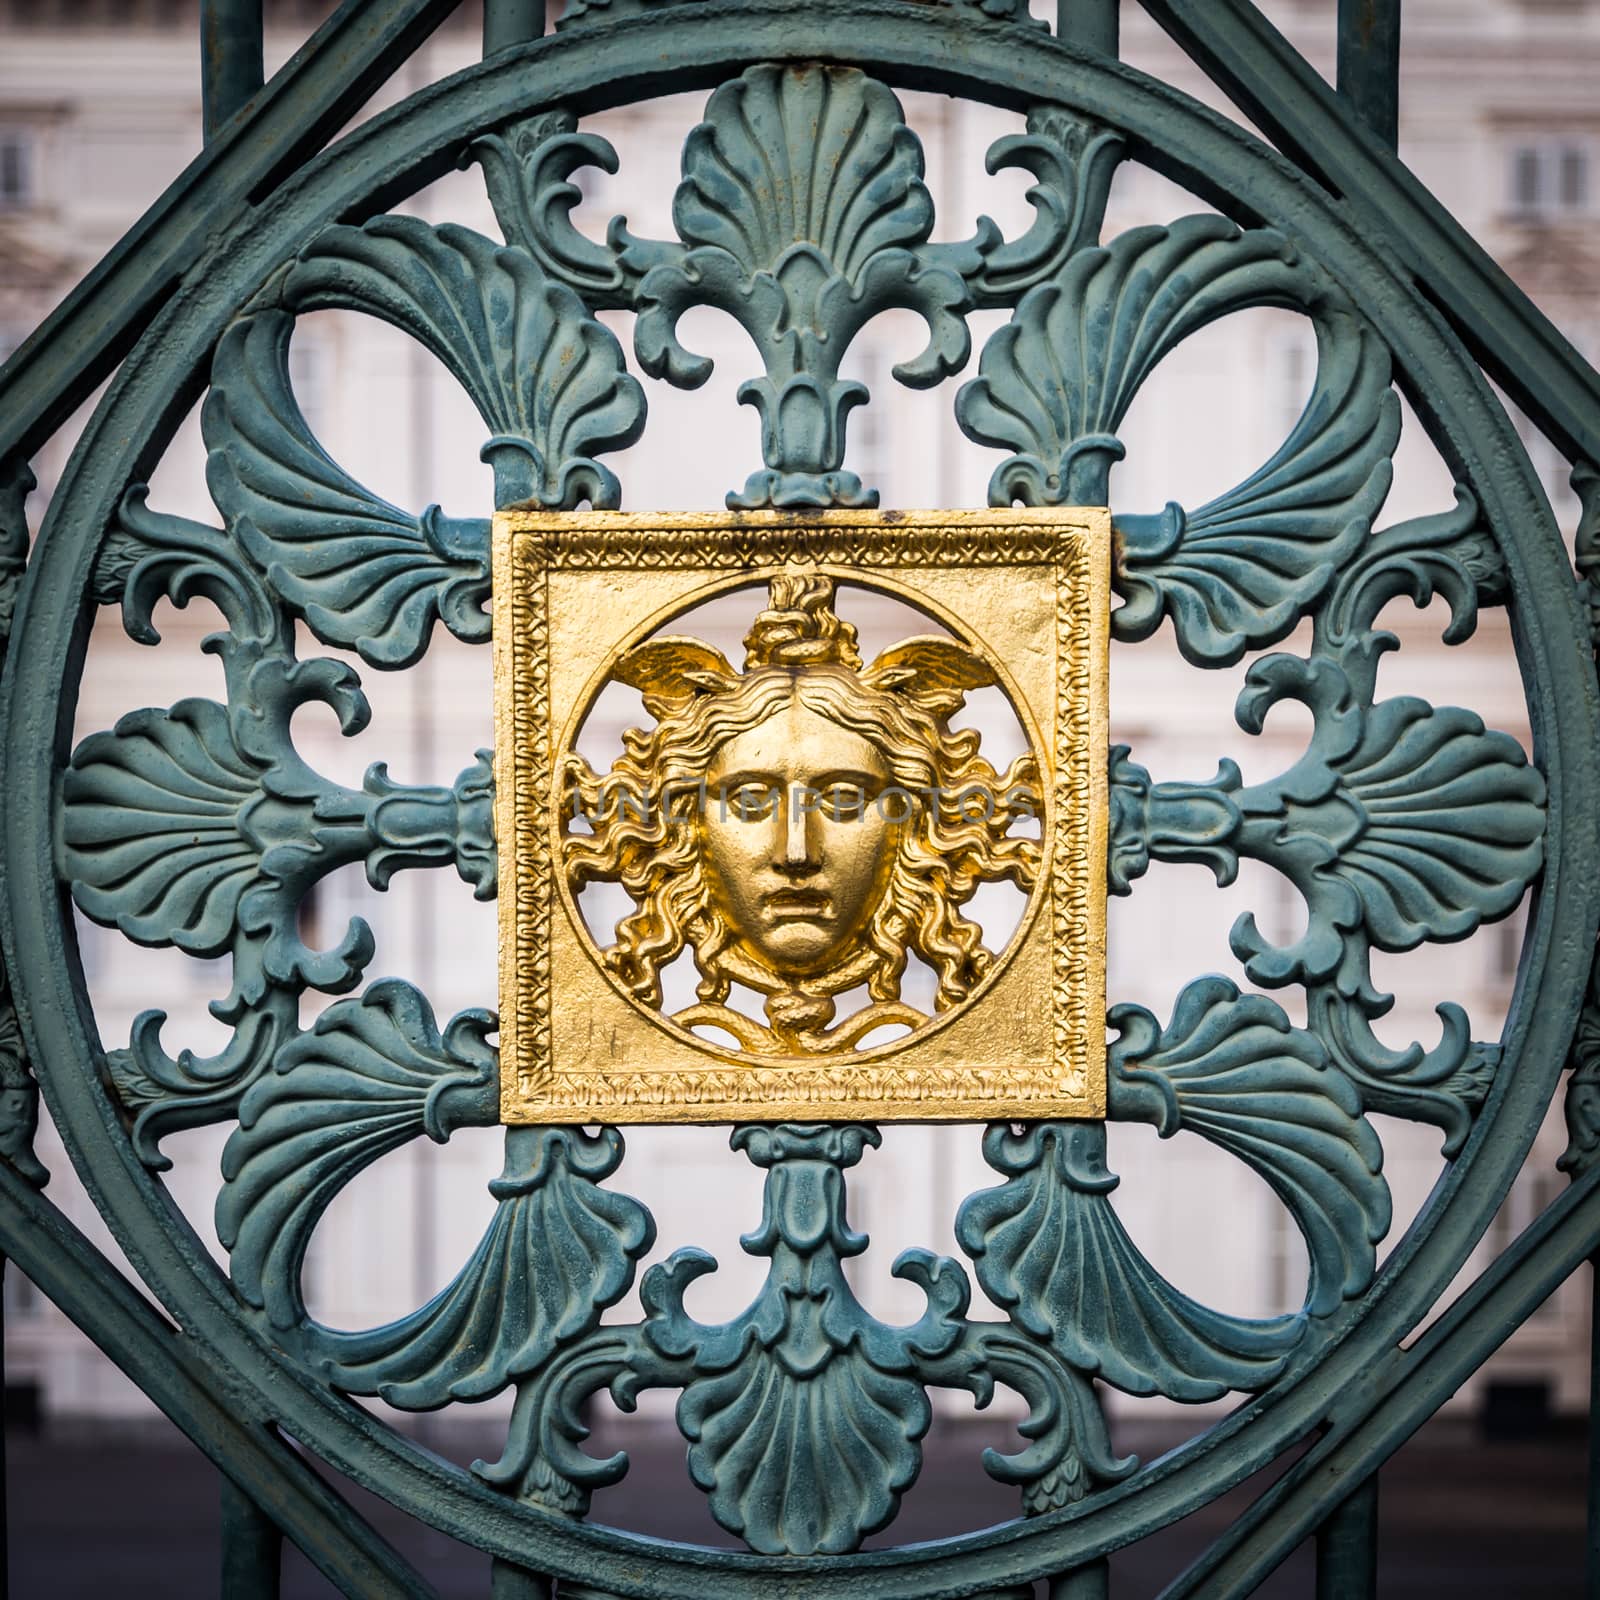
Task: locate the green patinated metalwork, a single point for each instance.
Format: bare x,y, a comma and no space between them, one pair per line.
802,213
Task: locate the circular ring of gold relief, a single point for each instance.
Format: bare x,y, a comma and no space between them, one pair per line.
853,820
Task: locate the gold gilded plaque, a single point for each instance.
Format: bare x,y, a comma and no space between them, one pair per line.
753,870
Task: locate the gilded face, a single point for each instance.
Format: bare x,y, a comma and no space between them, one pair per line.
798,838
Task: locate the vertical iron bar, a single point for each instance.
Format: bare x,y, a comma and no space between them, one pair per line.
424,490
5,1540
508,1582
1092,1582
1347,1547
232,66
1593,1585
1095,24
510,22
1283,94
1369,64
252,1547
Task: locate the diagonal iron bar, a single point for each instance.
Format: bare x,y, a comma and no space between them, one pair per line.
1274,85
67,1268
304,105
1369,63
1401,1396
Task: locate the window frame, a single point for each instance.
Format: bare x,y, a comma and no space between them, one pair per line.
1550,177
20,142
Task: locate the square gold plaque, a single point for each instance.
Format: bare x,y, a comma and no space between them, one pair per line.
860,808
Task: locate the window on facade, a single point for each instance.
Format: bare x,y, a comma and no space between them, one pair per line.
94,947
308,378
16,169
1534,1188
1547,460
871,453
22,1300
1573,175
1550,178
1508,937
1295,363
1555,472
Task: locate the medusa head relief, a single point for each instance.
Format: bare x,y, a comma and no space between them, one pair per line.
804,826
812,833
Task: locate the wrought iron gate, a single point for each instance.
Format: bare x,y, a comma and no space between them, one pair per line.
801,213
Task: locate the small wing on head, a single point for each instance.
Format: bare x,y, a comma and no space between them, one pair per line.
669,672
936,672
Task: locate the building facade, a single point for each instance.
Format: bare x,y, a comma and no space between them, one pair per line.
99,110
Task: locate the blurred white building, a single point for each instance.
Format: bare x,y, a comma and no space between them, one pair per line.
99,110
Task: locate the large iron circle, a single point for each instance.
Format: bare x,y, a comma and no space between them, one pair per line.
951,50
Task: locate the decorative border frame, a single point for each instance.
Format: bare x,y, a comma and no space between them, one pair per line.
889,1082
